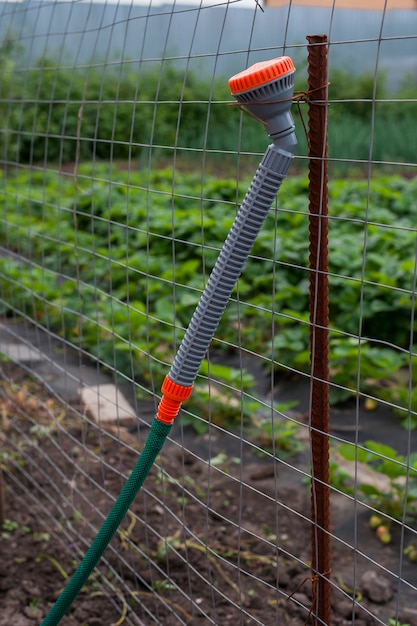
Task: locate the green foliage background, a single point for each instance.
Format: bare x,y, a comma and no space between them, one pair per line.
115,259
125,110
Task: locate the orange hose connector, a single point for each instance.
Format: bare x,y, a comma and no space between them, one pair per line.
173,395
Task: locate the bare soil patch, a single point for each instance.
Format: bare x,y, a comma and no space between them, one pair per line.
59,483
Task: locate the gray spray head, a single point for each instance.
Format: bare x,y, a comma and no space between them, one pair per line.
266,90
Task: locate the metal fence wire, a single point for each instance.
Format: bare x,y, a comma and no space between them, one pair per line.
286,489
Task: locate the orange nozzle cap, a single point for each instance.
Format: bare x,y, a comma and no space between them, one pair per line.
173,396
260,74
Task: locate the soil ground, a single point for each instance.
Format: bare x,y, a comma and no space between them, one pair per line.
248,577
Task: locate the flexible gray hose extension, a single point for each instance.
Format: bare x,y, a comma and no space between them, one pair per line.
253,211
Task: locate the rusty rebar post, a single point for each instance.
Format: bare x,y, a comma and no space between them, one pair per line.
319,320
2,504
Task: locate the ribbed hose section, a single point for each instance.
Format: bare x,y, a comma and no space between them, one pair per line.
154,443
229,265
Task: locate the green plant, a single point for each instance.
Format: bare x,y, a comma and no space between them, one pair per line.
8,527
278,435
394,497
11,457
218,400
223,460
376,364
34,608
411,551
161,586
340,479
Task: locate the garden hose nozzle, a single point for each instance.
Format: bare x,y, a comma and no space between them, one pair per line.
266,90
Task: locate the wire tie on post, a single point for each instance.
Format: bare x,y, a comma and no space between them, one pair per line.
314,581
301,96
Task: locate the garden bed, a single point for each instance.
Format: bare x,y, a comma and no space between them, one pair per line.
143,579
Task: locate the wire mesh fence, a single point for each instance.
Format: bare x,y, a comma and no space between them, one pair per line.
123,167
